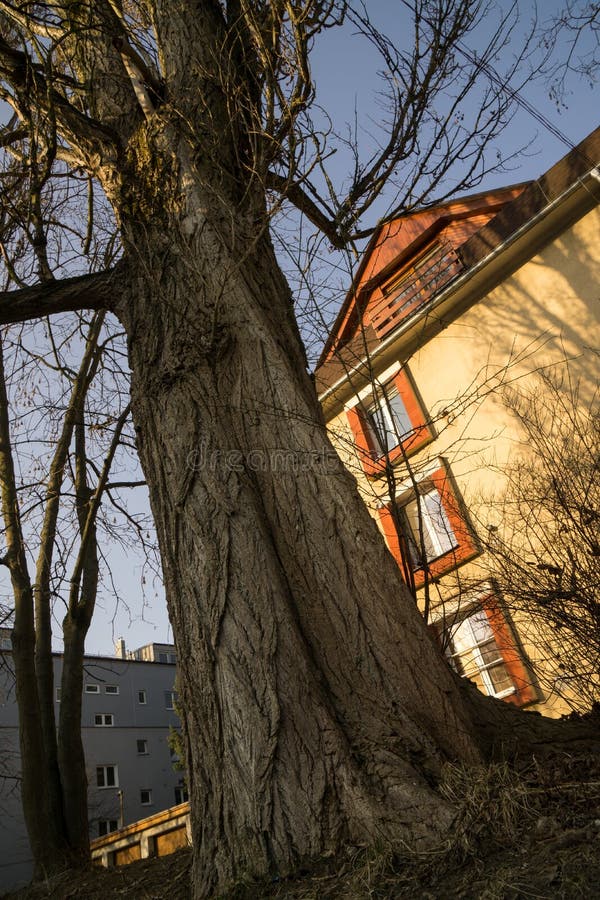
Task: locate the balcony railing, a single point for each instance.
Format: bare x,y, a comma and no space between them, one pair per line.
415,288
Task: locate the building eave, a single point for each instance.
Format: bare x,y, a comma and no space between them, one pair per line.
550,215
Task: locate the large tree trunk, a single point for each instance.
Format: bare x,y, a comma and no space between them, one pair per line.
316,707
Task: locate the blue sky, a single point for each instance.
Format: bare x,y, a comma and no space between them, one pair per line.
345,71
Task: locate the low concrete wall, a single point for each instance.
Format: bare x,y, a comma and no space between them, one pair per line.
157,835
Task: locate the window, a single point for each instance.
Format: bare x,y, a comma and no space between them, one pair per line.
170,699
58,695
142,748
427,527
432,526
104,719
474,653
388,422
181,795
480,645
141,695
163,658
146,797
106,826
111,688
107,776
92,688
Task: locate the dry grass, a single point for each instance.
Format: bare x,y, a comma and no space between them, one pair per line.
528,836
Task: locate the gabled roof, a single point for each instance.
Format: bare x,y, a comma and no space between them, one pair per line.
396,242
477,226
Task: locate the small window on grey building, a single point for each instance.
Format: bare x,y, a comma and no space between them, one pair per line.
105,826
142,747
170,699
146,797
181,795
141,696
92,688
107,776
104,719
172,658
111,688
58,695
162,657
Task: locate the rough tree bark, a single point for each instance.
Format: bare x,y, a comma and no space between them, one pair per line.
316,707
306,722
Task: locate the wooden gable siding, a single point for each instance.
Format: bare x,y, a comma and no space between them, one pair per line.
413,287
401,240
459,231
415,282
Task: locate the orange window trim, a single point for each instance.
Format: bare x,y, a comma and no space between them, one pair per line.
466,549
372,460
524,689
390,533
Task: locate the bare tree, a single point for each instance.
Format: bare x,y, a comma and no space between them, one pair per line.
571,42
306,723
51,504
544,551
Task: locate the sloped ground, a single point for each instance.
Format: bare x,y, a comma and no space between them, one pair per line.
530,835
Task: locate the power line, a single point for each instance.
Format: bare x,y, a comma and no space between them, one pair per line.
515,94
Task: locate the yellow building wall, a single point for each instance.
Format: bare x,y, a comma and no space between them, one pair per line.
546,312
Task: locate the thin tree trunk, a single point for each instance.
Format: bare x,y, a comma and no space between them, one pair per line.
75,628
71,757
46,841
317,709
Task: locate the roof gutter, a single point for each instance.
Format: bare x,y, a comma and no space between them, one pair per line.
463,280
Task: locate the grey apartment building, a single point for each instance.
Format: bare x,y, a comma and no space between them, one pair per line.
128,710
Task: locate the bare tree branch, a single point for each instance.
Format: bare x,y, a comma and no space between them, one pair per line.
95,291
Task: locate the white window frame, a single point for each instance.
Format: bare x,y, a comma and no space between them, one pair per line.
104,723
149,801
145,751
443,540
142,694
92,688
104,769
107,830
363,396
170,697
451,612
181,789
112,689
483,667
393,431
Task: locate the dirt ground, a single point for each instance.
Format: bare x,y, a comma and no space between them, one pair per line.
532,835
